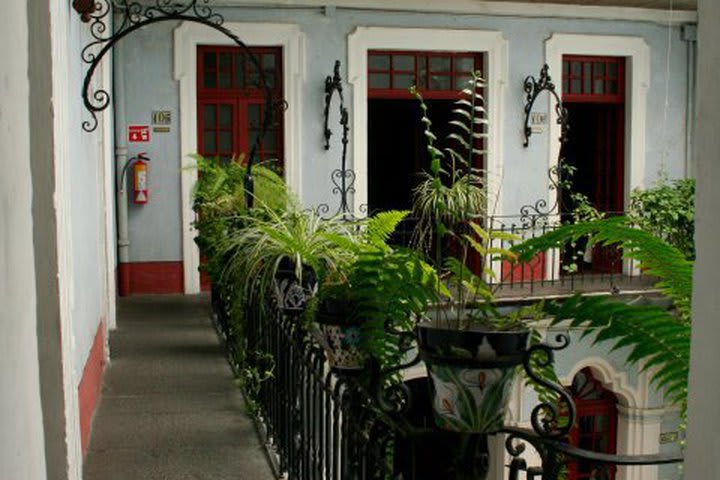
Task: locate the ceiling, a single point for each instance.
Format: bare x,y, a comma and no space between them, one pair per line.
656,4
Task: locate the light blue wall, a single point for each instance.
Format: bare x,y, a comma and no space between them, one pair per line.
155,228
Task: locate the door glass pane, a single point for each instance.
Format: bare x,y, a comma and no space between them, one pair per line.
209,116
422,71
600,421
612,70
225,141
601,444
576,68
225,120
586,424
440,64
403,80
612,86
239,79
599,86
599,69
209,61
225,79
254,116
566,67
379,80
587,77
379,62
270,141
210,80
440,82
225,61
209,142
403,62
268,61
464,64
575,86
462,81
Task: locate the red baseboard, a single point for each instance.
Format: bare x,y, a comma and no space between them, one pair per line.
155,277
91,385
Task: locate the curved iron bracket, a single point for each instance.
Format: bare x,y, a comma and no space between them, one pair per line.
133,15
533,88
343,178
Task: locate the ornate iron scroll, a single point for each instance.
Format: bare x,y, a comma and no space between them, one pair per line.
538,213
533,88
133,15
343,178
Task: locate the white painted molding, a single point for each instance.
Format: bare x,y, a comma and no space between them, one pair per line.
494,8
187,37
491,43
613,380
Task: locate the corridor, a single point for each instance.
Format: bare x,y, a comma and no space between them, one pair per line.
170,407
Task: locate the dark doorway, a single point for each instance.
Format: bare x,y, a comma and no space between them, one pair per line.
397,149
594,95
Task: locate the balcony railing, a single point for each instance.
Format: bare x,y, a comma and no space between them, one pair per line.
323,423
554,273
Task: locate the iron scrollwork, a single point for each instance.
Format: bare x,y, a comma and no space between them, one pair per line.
133,15
343,178
537,214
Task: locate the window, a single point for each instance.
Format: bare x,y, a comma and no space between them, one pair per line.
438,75
595,427
231,102
593,79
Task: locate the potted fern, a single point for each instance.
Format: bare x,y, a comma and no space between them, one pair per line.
383,289
470,346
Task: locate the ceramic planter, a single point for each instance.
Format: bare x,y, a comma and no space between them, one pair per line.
340,340
293,294
471,374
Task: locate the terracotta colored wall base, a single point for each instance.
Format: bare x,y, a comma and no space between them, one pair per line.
156,277
91,385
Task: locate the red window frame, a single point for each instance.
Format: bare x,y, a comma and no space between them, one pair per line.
594,79
241,92
454,73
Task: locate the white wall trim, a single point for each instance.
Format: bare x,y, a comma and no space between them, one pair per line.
613,380
492,43
186,39
495,8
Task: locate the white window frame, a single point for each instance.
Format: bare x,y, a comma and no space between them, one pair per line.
491,43
186,40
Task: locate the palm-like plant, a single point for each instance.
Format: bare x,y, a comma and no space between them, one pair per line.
658,338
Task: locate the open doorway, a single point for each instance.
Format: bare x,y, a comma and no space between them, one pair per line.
594,95
397,147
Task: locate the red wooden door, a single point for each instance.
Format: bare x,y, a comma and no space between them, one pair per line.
230,106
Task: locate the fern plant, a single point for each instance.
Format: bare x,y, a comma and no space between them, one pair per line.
657,338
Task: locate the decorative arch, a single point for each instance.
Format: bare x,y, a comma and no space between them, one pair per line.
615,381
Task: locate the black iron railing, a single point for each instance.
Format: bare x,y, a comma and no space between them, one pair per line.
321,423
556,272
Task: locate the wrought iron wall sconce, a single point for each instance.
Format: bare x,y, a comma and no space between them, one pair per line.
533,88
343,178
537,214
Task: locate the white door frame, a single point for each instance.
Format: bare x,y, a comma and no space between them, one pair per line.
491,43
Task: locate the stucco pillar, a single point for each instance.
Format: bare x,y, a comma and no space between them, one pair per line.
638,433
702,459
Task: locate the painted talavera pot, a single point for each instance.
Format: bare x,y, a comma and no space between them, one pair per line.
342,347
292,294
471,374
339,337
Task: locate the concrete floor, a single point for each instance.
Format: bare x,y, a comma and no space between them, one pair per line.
170,409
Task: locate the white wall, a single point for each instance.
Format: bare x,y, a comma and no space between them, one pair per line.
21,436
703,445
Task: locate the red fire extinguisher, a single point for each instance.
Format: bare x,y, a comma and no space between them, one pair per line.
140,179
139,164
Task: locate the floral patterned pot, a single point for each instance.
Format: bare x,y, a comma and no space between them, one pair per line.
293,295
342,347
471,374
